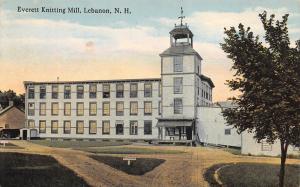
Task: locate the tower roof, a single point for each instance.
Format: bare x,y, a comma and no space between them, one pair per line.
180,50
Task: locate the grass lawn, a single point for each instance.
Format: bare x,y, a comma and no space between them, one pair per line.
233,151
77,144
138,167
18,169
253,174
128,150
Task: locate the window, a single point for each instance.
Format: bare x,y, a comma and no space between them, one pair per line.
67,127
105,127
55,92
106,109
147,108
67,109
42,126
265,146
93,127
178,81
54,109
178,64
119,128
67,92
178,106
120,91
133,127
42,92
80,109
147,90
80,91
31,92
31,124
79,127
133,108
106,91
159,107
93,91
93,109
133,90
42,109
54,127
119,108
31,109
227,131
147,127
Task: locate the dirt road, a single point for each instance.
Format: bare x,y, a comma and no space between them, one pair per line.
178,170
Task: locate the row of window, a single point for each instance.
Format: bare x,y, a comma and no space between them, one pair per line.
106,92
92,108
106,128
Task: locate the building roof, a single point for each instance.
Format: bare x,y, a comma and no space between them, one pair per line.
208,80
180,50
91,81
8,108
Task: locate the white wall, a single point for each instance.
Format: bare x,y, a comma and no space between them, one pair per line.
99,118
211,127
251,146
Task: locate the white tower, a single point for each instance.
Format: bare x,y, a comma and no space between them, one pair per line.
181,86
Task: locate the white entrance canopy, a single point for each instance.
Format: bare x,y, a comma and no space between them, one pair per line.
175,123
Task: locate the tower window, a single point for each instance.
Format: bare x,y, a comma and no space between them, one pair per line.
178,84
178,106
178,63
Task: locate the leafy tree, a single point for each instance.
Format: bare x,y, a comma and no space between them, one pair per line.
268,78
10,95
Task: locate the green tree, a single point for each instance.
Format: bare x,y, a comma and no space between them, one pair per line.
10,95
268,78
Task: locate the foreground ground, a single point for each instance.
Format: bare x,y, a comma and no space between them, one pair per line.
17,169
251,174
183,169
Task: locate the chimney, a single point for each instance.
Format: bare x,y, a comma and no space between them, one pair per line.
11,103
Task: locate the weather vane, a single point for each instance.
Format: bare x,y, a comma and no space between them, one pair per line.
181,17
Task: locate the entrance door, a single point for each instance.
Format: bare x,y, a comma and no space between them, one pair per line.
24,134
189,132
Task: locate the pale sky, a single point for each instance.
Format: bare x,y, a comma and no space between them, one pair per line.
44,46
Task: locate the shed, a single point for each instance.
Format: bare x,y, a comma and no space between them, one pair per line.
12,119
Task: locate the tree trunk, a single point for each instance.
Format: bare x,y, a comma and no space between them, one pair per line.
284,147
